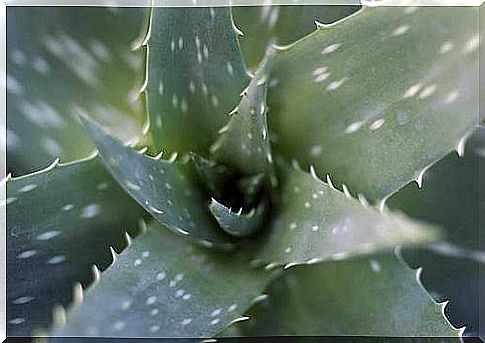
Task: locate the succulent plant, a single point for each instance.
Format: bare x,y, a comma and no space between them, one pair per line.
257,184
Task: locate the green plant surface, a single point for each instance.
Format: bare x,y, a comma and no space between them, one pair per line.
167,189
385,80
244,141
237,223
377,296
195,73
58,229
450,197
62,63
280,25
163,286
316,222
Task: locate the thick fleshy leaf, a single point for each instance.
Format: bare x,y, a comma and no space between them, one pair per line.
281,25
212,174
65,61
195,74
378,97
237,224
168,190
244,141
316,222
367,297
162,286
451,198
60,222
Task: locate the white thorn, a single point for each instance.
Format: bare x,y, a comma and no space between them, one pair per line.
240,319
460,147
143,150
128,239
314,260
346,191
142,225
159,155
295,164
329,181
363,200
313,173
173,157
259,299
271,266
419,179
234,111
223,129
58,315
113,255
96,274
320,25
289,265
382,205
77,294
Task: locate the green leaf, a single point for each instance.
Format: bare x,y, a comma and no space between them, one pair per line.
212,174
367,297
65,61
237,224
281,25
244,141
60,222
167,189
451,198
195,73
316,222
163,286
376,98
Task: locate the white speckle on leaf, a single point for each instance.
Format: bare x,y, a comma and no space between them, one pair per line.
41,66
137,262
353,127
119,326
22,300
472,44
48,235
307,204
316,150
446,47
321,77
288,250
179,293
230,69
27,188
216,312
293,226
187,296
102,186
90,211
175,101
412,91
215,101
331,48
232,308
181,42
145,254
184,106
160,276
51,146
154,328
375,266
315,228
451,97
400,30
215,321
336,84
18,57
172,45
26,254
179,277
16,321
151,300
427,91
377,124
186,321
67,207
56,259
192,87
13,85
154,312
160,88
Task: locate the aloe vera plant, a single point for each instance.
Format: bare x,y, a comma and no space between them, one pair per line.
257,184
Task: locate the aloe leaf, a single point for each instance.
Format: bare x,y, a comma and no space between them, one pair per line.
167,189
65,61
281,25
57,230
195,73
376,296
237,223
212,174
451,198
163,286
378,95
244,141
316,222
